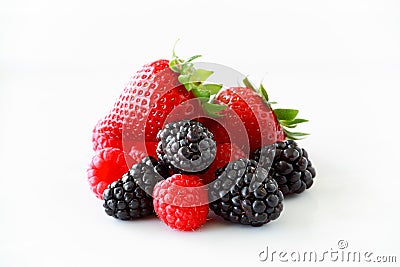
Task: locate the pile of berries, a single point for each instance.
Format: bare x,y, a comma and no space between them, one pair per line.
176,146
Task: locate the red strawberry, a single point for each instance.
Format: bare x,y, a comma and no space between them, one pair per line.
114,121
228,128
148,98
226,152
258,118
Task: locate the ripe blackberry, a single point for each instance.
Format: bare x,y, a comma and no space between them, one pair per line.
244,193
130,197
158,166
291,167
186,146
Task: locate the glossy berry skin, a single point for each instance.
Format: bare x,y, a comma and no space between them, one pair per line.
291,169
186,146
258,118
180,202
226,152
146,174
125,199
143,107
107,166
245,194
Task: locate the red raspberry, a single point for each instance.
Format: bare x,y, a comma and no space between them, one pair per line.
101,141
226,152
141,150
181,202
136,150
107,166
104,140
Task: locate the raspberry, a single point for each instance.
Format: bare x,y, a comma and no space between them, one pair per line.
138,151
104,140
181,202
101,141
107,166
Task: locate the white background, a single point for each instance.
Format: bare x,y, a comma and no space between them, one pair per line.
62,64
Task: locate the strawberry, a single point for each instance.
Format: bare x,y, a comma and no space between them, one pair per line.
264,126
228,128
259,120
152,94
143,106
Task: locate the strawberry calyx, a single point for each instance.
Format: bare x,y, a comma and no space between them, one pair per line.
194,81
287,118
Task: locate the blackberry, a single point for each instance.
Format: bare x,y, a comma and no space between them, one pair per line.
130,197
158,166
186,146
291,167
244,193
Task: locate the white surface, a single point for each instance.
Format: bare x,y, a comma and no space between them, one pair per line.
62,64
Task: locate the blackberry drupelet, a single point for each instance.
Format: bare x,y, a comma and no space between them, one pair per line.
158,166
291,167
186,146
244,193
130,197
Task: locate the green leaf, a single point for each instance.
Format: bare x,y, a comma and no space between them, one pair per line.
193,58
286,114
294,135
201,93
248,84
263,92
174,64
293,122
212,88
288,137
288,126
200,75
184,78
187,68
